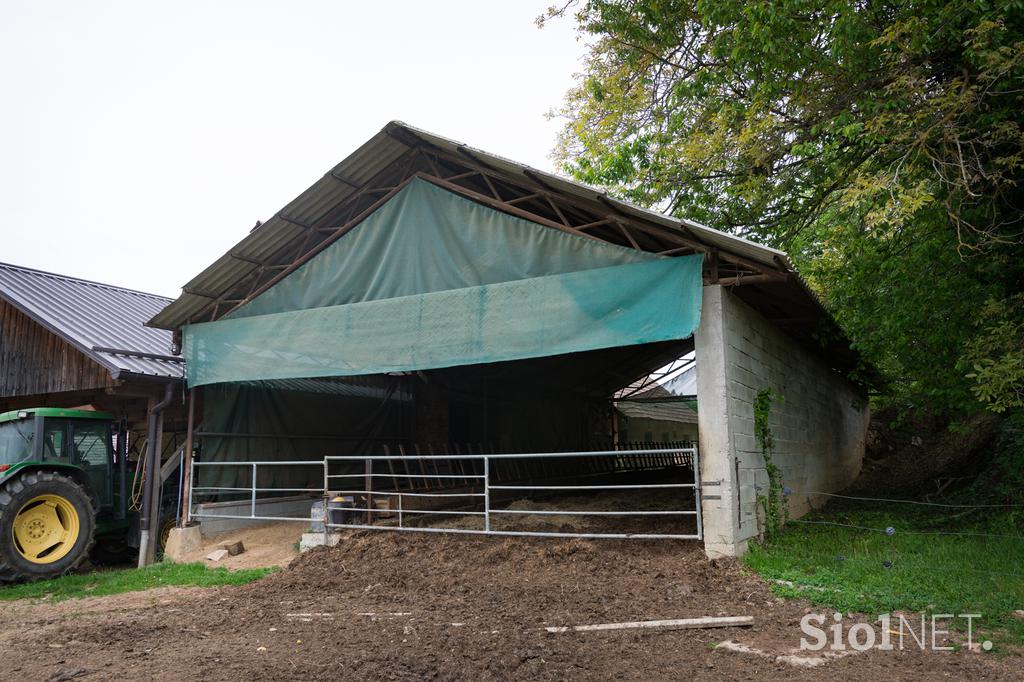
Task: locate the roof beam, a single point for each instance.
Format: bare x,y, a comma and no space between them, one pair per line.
753,279
138,354
334,175
531,180
504,206
245,259
339,232
293,221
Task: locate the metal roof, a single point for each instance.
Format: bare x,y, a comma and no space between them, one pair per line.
104,322
657,403
366,162
684,383
790,304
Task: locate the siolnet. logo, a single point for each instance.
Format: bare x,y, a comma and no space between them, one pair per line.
891,633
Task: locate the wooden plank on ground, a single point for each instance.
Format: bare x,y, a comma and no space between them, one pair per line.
676,624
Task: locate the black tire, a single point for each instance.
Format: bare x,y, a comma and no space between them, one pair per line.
14,495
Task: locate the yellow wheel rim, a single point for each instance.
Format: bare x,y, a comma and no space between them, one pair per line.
165,533
46,529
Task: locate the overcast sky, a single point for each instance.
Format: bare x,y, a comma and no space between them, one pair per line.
140,140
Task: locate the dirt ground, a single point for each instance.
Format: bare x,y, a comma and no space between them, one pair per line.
386,605
272,544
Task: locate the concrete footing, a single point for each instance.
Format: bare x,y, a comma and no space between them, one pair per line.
311,540
183,541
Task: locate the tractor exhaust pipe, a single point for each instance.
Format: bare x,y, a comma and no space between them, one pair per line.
152,472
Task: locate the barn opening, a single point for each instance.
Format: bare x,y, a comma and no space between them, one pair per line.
425,306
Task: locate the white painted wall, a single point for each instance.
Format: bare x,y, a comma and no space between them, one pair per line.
819,427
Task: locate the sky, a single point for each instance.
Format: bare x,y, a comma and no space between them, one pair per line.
141,140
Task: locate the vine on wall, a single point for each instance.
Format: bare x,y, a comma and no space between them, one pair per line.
774,504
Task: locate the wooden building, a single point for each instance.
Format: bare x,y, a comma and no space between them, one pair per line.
68,342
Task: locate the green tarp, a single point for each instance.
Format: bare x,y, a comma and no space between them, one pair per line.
433,280
427,239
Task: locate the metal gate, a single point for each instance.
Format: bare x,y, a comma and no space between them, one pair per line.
407,492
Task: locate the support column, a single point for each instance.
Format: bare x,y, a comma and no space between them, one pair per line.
157,486
717,461
148,523
186,464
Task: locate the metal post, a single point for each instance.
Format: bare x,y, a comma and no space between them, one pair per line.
122,467
191,485
327,498
252,511
157,495
697,494
151,497
369,490
487,494
400,496
186,461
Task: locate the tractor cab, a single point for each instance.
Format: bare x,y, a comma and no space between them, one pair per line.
61,495
77,441
56,485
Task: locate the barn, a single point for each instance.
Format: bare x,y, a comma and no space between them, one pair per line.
436,337
68,342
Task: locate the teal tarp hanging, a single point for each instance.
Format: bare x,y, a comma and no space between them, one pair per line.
526,318
432,279
428,239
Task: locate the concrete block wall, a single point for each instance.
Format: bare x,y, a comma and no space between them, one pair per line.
819,425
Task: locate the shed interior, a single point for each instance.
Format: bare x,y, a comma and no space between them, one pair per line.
432,421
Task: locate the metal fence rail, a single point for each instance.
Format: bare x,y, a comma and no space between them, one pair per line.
468,492
252,489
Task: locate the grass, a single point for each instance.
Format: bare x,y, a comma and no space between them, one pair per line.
916,569
131,580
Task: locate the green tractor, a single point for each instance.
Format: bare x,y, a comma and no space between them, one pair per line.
61,493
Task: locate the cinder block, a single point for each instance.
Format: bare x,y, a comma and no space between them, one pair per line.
745,443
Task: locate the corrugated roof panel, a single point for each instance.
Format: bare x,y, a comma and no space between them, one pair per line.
91,315
673,412
646,406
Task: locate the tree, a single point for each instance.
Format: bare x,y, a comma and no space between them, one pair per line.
880,144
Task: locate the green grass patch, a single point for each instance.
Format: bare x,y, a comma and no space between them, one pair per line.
116,581
928,564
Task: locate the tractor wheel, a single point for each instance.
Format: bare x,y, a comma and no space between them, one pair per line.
166,526
47,523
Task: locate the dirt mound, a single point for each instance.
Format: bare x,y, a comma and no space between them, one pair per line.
402,606
923,457
552,581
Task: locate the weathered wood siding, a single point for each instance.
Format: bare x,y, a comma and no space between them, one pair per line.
33,360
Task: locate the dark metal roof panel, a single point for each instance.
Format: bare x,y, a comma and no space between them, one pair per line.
90,315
